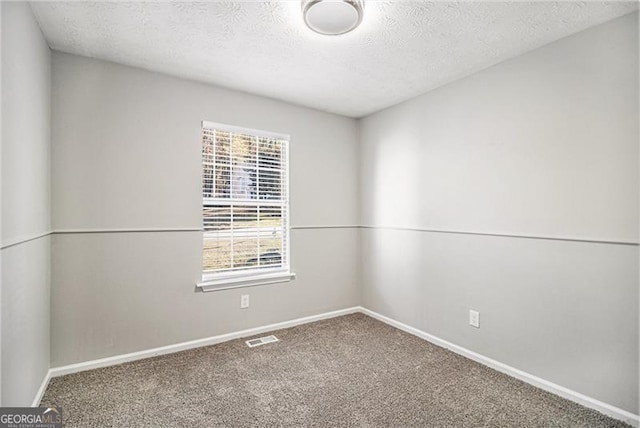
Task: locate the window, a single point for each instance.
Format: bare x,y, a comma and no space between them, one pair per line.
245,207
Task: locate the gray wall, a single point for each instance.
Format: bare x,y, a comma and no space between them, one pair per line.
25,173
544,145
126,155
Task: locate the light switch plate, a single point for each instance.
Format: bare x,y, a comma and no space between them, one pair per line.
474,318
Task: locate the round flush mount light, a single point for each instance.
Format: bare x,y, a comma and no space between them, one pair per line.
332,17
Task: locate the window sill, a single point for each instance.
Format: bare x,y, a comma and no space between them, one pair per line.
245,281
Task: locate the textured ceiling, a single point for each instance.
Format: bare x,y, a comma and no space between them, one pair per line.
402,48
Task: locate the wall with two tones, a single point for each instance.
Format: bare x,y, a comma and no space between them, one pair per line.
514,192
127,181
25,199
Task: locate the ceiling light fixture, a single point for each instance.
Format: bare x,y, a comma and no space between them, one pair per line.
332,17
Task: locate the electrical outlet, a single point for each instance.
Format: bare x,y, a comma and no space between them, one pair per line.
244,301
474,318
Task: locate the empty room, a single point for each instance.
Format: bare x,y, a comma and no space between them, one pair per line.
319,213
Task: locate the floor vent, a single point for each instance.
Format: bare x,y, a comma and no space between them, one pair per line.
261,341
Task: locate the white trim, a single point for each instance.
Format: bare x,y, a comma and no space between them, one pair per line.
551,387
244,281
27,238
42,389
12,242
170,349
174,229
142,230
503,235
243,130
23,239
325,226
286,208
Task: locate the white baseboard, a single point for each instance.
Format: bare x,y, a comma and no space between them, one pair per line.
42,389
563,392
119,359
569,394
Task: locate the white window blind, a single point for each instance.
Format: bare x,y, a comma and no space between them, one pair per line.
245,206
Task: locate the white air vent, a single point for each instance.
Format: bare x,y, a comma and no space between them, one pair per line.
261,341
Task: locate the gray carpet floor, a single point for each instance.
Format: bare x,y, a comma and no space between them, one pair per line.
346,371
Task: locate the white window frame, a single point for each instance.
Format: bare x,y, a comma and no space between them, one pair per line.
261,276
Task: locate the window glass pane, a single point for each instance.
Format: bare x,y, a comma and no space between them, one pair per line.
216,217
245,218
245,249
270,217
271,249
244,202
222,181
207,165
270,185
216,254
269,153
223,147
244,178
